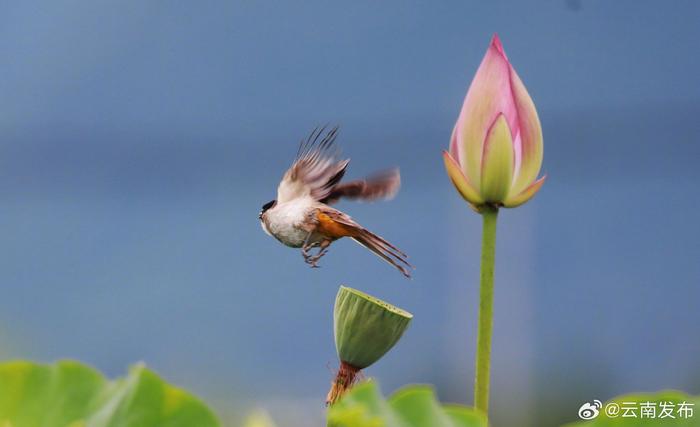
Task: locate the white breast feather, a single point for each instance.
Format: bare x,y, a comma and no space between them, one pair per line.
285,221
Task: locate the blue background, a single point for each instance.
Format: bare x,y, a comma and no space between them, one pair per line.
138,140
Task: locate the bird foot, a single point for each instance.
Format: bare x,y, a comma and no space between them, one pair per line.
312,260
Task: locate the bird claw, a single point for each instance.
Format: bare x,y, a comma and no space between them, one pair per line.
312,260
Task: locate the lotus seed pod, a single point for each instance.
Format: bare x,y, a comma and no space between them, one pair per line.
365,327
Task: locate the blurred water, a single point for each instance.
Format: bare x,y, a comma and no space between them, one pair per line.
138,141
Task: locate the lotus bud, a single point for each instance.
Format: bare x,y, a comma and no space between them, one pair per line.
365,328
496,146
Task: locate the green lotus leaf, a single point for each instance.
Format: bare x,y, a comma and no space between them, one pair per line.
413,406
258,418
365,327
627,411
70,394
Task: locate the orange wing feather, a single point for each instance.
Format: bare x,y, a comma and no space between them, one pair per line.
335,224
332,228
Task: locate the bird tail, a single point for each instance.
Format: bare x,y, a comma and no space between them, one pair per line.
384,250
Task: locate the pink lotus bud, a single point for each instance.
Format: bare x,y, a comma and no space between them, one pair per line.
496,148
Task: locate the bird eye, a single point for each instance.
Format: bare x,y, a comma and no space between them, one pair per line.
268,205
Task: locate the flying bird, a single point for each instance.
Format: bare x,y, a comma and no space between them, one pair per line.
302,215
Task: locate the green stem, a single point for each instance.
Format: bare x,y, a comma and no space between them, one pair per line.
483,346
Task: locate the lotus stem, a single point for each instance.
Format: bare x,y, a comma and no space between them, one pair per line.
483,346
344,379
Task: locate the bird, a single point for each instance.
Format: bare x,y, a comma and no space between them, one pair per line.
302,216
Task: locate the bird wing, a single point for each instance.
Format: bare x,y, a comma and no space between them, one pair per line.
334,223
382,185
316,169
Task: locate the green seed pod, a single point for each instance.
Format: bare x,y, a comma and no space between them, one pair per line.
365,327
